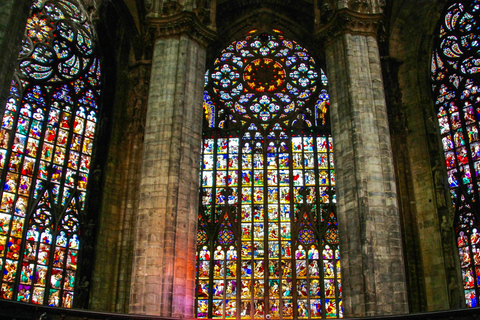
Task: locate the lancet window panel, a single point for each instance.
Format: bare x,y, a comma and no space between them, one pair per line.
267,236
455,68
46,148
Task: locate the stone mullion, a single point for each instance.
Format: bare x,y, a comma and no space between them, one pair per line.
367,208
164,262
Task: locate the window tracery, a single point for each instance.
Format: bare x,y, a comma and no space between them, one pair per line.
267,236
455,68
46,145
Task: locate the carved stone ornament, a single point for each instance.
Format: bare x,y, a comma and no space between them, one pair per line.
359,5
346,21
171,8
203,11
185,22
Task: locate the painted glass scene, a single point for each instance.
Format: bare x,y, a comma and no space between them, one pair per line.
455,68
46,144
267,236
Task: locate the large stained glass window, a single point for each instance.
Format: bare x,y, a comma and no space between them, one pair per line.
46,140
267,234
456,74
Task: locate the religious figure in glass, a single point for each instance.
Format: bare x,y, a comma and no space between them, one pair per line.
455,71
267,235
46,144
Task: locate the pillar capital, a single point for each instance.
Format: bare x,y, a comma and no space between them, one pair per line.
183,22
347,21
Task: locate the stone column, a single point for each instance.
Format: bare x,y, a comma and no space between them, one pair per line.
370,234
114,252
163,275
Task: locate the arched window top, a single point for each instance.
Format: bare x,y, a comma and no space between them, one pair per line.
455,70
455,62
58,44
268,81
46,150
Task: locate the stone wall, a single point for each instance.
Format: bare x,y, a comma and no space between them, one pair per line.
401,158
411,41
13,18
111,285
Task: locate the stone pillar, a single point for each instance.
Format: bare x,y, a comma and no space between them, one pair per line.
370,235
111,278
163,275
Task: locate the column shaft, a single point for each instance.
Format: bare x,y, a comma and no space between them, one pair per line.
114,251
370,235
163,277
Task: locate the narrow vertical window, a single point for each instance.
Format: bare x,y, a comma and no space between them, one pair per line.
46,142
455,70
267,235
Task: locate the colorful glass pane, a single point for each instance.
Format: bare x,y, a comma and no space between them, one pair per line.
267,125
46,140
455,69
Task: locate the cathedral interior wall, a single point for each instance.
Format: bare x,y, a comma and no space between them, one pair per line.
126,45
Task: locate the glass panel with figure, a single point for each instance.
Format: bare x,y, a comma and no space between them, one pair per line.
46,145
454,74
267,236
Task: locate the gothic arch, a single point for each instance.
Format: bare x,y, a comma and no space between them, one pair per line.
235,20
277,189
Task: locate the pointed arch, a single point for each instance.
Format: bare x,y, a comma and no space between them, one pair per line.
268,186
455,78
46,149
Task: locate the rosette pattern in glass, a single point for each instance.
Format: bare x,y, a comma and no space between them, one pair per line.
267,233
46,145
455,71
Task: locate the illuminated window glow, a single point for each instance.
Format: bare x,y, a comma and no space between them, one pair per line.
267,236
455,69
46,144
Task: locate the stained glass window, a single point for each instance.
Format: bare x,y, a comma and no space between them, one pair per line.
46,140
455,70
267,236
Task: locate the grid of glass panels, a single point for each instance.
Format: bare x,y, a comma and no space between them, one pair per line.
267,237
455,80
46,140
264,263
